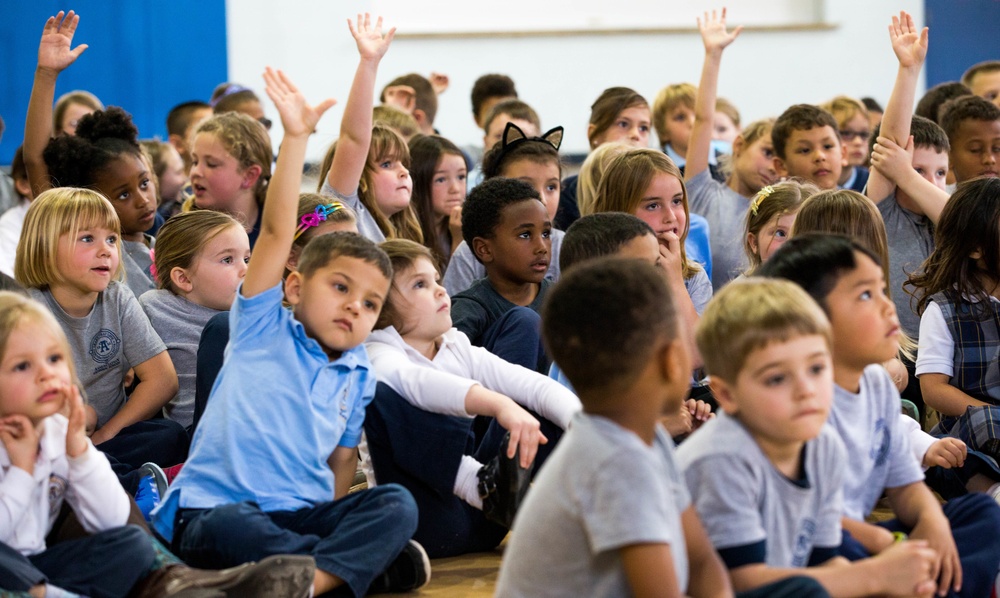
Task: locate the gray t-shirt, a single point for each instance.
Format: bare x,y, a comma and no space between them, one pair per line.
464,269
179,323
367,227
135,256
725,211
113,338
911,241
742,499
878,449
602,489
699,288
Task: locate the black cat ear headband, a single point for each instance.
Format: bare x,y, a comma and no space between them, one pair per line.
513,136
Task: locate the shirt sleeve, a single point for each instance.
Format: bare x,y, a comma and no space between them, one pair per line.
727,504
920,441
422,386
936,347
903,468
356,420
141,340
16,488
97,498
463,270
699,288
255,317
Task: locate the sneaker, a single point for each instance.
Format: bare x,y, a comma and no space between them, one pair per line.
503,483
289,576
152,470
152,487
410,571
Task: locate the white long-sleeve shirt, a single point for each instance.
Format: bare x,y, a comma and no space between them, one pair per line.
30,503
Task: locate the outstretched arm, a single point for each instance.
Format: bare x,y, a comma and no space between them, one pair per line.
277,226
716,38
54,55
356,128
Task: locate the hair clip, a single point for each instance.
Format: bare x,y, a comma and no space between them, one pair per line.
513,136
316,217
228,91
761,196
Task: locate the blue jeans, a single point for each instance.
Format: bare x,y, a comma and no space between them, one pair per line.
354,538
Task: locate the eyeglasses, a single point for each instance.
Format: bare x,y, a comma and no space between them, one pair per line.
265,121
848,135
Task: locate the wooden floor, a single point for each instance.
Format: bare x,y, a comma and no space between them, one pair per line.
473,575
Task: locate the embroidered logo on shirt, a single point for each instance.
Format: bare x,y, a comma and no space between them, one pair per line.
57,490
104,346
880,442
803,543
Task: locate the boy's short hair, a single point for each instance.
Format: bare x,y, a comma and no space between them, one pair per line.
929,106
669,98
484,207
599,235
800,117
987,66
872,105
321,250
751,313
926,134
180,116
963,108
425,100
602,321
816,262
489,86
513,108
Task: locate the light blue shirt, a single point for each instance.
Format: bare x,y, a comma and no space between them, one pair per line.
277,411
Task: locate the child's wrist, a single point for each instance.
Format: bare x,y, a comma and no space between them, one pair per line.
46,73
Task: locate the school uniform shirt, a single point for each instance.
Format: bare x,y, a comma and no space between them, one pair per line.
878,449
30,503
478,307
279,408
367,227
751,511
138,261
464,269
725,211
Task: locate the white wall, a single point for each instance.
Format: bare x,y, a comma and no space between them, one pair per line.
560,76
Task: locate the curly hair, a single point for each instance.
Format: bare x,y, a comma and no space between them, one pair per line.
101,137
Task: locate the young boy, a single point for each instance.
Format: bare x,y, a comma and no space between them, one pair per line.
609,514
487,92
508,228
274,455
415,95
847,281
807,145
973,128
984,80
181,119
765,476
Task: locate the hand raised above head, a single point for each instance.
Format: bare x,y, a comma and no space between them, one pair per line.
54,49
372,43
909,43
713,31
297,116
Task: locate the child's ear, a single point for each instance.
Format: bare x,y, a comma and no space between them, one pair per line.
723,393
293,287
590,132
738,145
180,279
250,176
483,249
752,240
843,154
779,167
675,362
23,188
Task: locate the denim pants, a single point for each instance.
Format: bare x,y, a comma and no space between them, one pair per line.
354,538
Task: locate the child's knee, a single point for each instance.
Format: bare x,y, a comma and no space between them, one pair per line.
397,504
131,540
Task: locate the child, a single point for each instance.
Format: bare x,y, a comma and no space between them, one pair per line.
506,224
439,172
70,108
673,117
807,145
261,474
534,160
181,122
201,259
12,221
397,120
724,205
726,124
770,218
847,281
317,216
434,381
931,102
592,171
984,80
488,91
171,176
508,111
70,259
423,102
233,97
609,514
852,120
973,128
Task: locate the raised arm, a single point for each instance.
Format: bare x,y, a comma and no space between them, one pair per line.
356,128
716,38
54,55
895,165
910,47
277,227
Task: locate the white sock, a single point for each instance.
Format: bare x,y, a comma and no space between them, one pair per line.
994,491
467,482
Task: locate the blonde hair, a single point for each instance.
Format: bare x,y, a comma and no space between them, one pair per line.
625,182
844,108
592,171
396,119
668,99
308,202
15,309
246,140
403,254
183,237
758,129
54,213
78,97
770,203
729,109
749,314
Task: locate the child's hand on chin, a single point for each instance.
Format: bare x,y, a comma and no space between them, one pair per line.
76,431
20,438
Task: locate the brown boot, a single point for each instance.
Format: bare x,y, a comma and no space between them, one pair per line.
277,576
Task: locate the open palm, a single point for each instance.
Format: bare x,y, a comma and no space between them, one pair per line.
909,43
372,43
713,31
297,116
54,50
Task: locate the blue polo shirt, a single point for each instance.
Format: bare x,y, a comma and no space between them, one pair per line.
278,409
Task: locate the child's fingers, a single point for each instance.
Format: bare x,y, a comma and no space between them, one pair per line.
323,106
287,82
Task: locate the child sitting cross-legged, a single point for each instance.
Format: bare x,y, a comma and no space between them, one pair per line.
765,476
609,515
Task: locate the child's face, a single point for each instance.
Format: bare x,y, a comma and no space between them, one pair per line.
71,118
543,176
448,184
773,235
89,261
218,269
173,179
855,136
662,206
34,373
782,393
520,247
987,85
865,328
723,128
755,164
216,176
630,127
931,164
497,126
128,184
422,302
814,154
680,122
975,149
645,248
391,186
339,303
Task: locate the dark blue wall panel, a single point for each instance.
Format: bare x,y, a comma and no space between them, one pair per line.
145,55
963,32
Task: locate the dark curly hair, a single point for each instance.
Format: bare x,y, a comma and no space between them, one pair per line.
484,207
954,112
800,117
74,161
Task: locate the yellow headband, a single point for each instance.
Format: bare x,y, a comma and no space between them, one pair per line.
761,196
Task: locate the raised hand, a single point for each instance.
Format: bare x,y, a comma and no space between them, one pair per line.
909,44
403,97
20,439
297,117
54,53
439,81
372,44
76,431
713,32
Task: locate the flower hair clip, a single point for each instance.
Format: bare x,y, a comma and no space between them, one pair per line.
317,217
761,196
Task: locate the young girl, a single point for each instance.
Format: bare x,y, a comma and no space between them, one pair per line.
592,170
318,216
534,160
201,258
70,108
769,219
420,426
70,259
439,184
855,129
645,183
171,176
